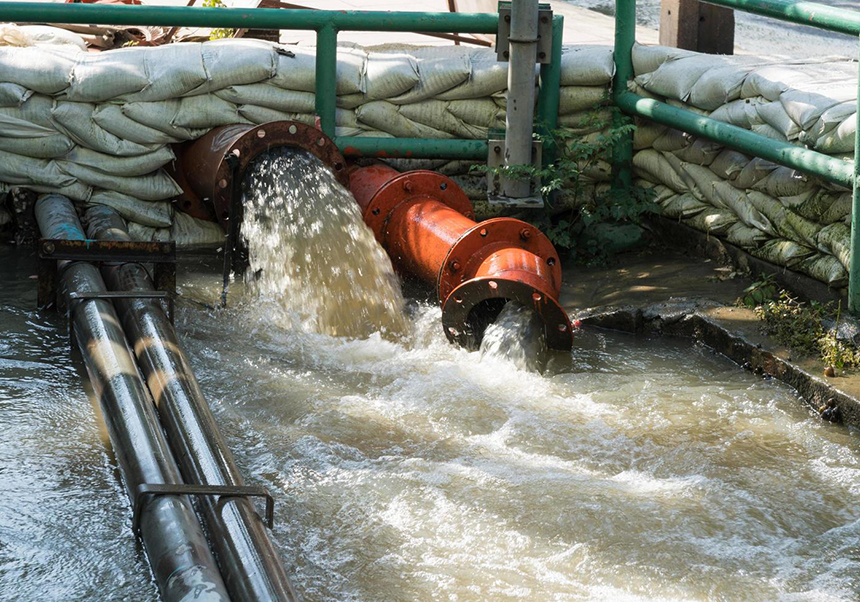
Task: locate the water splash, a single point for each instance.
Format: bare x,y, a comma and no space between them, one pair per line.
311,256
517,336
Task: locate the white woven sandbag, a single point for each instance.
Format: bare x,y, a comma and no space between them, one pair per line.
806,105
729,164
100,76
839,140
768,131
111,119
259,115
675,78
387,75
587,65
771,81
745,236
782,252
233,62
42,147
653,166
272,97
156,186
121,166
435,76
189,232
753,172
786,182
719,85
738,203
16,169
160,116
700,152
140,232
173,70
649,58
44,35
148,213
585,122
573,99
646,133
35,110
712,221
75,119
384,116
45,70
13,95
14,127
742,112
672,140
206,111
825,268
435,114
774,115
835,239
487,77
298,72
682,206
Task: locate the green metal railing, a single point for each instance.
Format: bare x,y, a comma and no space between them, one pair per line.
327,24
783,153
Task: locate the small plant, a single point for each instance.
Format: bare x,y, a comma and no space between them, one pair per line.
801,326
568,178
759,292
219,33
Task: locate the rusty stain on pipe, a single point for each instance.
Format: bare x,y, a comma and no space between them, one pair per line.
425,223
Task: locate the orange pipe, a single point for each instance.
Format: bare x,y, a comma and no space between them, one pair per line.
424,221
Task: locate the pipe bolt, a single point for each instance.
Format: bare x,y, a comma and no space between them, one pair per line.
551,261
497,149
525,234
48,248
455,266
407,186
506,54
507,18
165,248
542,55
222,183
261,133
375,211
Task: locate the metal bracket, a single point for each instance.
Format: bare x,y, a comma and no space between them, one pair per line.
495,179
225,493
544,39
52,251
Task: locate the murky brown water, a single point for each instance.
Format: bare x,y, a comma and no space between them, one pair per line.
412,470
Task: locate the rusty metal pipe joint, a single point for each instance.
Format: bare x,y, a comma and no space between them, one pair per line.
425,223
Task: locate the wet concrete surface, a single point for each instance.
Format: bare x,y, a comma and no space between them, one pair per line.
667,292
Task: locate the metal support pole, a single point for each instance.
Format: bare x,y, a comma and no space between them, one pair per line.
326,78
179,557
625,38
854,272
249,561
550,85
519,117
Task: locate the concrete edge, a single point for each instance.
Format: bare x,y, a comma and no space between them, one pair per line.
693,321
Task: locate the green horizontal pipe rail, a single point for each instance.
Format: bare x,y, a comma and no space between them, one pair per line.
412,148
803,13
805,160
249,18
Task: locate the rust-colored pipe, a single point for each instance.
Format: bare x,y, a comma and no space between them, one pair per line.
425,223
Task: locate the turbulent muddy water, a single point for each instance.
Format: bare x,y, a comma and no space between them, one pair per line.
410,470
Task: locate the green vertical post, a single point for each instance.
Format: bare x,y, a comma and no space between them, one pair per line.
854,272
550,89
625,37
325,87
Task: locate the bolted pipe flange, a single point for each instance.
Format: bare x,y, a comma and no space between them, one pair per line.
206,167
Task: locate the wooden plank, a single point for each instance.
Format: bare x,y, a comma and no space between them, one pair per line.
691,25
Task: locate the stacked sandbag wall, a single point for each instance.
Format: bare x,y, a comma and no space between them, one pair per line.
775,213
98,127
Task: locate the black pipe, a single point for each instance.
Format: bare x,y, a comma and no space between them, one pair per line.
249,562
179,557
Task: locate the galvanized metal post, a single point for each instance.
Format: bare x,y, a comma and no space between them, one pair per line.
519,117
249,561
179,556
625,38
854,272
326,78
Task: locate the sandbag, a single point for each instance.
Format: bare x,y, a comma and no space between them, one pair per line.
782,252
435,114
259,115
681,206
43,70
739,204
729,164
718,86
205,112
43,147
770,81
36,110
387,75
825,268
121,166
746,237
712,221
437,75
648,58
15,169
385,116
148,213
835,239
111,119
653,166
675,78
272,97
742,113
160,116
573,99
189,232
13,95
75,119
481,112
298,72
156,186
587,65
786,182
488,76
753,172
774,115
646,133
